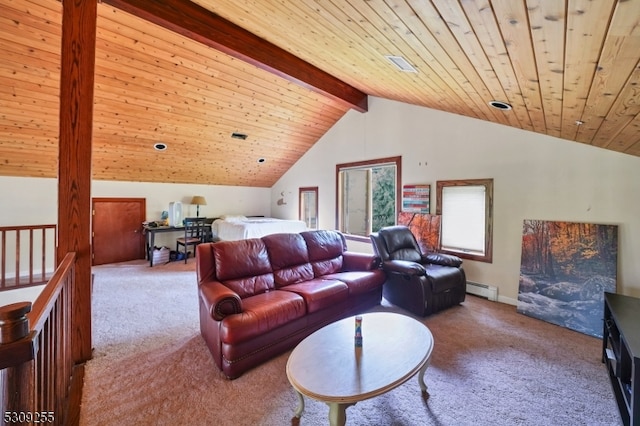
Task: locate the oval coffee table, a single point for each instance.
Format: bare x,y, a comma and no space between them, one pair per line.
327,366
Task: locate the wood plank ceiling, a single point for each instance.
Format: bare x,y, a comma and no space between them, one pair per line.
569,69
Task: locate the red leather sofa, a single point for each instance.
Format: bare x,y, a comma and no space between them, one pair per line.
260,297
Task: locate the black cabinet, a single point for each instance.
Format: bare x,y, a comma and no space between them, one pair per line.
621,353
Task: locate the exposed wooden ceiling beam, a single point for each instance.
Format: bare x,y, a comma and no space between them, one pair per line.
197,23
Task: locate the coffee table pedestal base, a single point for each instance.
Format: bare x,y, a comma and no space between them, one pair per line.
338,411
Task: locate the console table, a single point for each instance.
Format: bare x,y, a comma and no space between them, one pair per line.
621,353
150,237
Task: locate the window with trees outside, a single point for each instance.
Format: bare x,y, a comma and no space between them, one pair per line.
368,195
466,207
309,206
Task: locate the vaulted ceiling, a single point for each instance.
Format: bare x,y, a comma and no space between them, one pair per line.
190,74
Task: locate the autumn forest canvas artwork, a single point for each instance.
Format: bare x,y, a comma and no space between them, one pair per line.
425,227
566,267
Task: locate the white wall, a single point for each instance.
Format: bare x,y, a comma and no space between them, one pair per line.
34,201
535,177
28,201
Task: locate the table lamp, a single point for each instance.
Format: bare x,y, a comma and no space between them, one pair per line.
198,200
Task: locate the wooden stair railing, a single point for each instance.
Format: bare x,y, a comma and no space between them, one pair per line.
40,258
36,361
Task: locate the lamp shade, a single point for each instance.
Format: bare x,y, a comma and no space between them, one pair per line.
199,200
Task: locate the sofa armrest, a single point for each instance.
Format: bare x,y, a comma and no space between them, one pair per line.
403,267
220,300
354,261
442,259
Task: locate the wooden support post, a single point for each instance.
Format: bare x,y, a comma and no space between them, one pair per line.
74,166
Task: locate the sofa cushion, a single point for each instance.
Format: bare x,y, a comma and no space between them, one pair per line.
292,275
237,259
250,286
325,250
243,266
325,267
261,314
289,258
360,282
319,293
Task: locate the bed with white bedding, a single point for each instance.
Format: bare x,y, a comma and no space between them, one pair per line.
232,228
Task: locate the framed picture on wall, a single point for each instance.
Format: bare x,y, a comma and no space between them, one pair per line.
415,198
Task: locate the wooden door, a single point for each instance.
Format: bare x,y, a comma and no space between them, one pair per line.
117,229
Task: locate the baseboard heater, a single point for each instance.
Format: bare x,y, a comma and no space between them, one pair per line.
483,290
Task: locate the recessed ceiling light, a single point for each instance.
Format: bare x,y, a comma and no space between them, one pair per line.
500,105
401,63
237,135
160,146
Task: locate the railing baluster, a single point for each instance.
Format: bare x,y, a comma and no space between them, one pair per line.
17,258
44,255
3,260
30,256
31,276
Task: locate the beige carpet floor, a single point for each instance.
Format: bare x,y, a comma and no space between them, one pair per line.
490,366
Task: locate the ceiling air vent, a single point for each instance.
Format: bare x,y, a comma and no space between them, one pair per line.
401,63
237,135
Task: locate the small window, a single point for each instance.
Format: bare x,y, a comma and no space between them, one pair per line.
367,195
309,206
467,217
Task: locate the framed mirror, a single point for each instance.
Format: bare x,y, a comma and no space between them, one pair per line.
309,206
